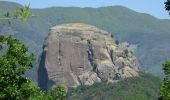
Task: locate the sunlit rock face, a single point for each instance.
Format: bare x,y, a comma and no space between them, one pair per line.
80,54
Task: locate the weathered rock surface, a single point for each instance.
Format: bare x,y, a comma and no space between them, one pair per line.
80,54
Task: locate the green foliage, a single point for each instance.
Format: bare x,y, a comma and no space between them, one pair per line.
6,15
13,64
58,93
166,68
13,83
165,89
145,87
23,13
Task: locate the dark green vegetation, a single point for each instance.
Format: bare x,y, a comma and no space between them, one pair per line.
15,60
146,87
13,63
165,89
167,6
151,35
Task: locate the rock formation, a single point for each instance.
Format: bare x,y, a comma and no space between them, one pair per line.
80,54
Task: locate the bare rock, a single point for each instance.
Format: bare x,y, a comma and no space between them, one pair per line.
80,54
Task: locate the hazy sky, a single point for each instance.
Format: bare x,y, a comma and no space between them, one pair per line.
153,7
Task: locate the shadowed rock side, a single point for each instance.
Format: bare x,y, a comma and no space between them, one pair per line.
80,54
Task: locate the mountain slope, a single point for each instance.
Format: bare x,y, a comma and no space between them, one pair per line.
127,25
145,87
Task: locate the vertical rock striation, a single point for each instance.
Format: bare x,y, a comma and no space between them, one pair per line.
80,54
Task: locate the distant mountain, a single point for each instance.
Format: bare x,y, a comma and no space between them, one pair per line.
149,34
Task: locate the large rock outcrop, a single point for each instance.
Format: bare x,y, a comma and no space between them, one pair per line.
80,54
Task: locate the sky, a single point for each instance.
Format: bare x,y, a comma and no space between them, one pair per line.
153,7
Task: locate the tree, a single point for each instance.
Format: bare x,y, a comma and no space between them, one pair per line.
14,62
165,89
57,92
167,6
23,14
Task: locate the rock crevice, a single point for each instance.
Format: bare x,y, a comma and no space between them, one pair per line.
80,54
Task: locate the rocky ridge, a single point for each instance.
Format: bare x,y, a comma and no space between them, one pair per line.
80,54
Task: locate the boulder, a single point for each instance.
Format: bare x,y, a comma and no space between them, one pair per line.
80,54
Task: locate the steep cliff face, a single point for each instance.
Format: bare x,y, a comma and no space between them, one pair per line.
80,54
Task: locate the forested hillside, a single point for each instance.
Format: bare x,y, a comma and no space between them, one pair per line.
148,33
145,87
